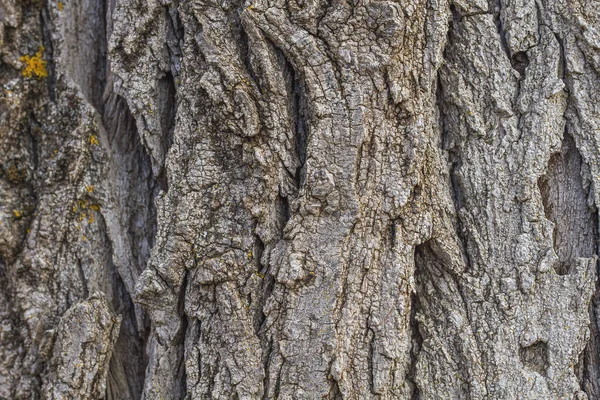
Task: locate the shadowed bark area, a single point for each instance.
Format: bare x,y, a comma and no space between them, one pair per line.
568,205
297,200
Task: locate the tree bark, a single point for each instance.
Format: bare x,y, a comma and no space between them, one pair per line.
299,199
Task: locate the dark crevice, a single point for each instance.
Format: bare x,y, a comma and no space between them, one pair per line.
371,338
535,357
455,182
131,168
565,202
431,269
175,37
562,65
417,342
456,15
168,107
84,285
334,392
34,129
520,62
500,29
298,112
278,382
260,318
136,188
427,251
167,103
49,52
392,233
182,376
301,131
126,371
266,366
284,210
99,81
266,288
246,56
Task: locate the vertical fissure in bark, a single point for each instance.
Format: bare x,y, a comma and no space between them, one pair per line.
127,367
135,189
19,178
416,338
167,103
133,164
266,366
49,50
301,135
175,38
371,339
266,288
334,389
86,291
392,232
245,55
297,111
181,339
284,210
32,131
500,28
562,65
277,389
456,191
456,16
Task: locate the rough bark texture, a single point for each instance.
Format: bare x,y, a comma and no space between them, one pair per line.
301,199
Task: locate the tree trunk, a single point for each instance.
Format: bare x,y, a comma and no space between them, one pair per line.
302,199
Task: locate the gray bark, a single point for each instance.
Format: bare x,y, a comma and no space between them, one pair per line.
299,199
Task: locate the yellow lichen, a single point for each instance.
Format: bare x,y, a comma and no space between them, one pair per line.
14,174
60,6
35,66
89,188
94,140
95,207
18,214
